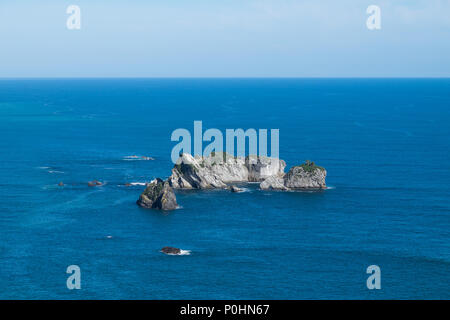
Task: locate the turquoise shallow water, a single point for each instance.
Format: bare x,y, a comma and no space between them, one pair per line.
383,142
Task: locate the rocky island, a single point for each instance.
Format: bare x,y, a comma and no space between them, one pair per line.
219,170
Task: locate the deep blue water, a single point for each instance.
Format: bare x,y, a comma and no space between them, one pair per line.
384,143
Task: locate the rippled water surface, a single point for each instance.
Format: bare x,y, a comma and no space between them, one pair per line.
384,143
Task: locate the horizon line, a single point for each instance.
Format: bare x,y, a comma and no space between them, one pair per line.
213,77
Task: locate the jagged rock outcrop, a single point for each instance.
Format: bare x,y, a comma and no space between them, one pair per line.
197,173
219,169
158,195
273,183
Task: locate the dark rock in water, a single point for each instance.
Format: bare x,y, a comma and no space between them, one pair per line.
61,184
170,250
94,183
235,189
158,195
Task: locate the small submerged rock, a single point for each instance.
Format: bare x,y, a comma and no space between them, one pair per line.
158,195
94,183
170,250
235,189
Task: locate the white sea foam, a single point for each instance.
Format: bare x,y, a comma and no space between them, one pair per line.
138,183
49,187
182,253
137,158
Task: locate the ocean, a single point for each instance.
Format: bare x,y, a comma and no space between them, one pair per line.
384,143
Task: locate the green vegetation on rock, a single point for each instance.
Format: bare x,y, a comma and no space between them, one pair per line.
310,166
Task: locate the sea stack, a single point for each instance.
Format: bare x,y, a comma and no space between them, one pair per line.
158,195
305,176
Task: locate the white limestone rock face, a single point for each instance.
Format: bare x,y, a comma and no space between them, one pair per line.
305,177
261,168
193,173
220,169
225,167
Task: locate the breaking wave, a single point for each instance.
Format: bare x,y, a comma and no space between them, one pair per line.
138,183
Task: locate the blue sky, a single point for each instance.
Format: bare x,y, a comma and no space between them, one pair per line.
226,38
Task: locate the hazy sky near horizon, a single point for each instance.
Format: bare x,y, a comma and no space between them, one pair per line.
226,38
